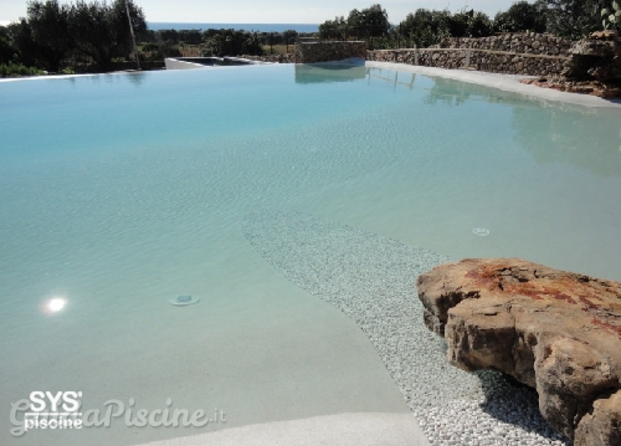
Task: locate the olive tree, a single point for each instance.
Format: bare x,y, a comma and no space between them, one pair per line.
101,31
523,16
289,37
49,28
336,29
370,22
424,27
574,19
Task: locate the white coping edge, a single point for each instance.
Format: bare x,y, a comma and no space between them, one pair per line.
172,63
346,429
49,76
506,82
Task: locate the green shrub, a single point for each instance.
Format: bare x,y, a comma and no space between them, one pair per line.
612,17
12,69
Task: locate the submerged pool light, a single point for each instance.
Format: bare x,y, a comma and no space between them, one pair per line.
482,232
182,301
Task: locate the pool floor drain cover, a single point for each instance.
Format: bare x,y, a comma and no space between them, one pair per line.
182,301
480,231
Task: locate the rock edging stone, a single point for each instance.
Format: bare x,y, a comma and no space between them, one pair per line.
556,331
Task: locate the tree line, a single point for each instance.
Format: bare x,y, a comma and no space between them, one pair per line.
219,42
84,33
571,19
93,36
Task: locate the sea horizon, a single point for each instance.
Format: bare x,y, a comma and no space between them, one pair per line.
259,27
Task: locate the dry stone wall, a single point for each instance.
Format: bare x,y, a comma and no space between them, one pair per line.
274,58
522,43
527,54
311,52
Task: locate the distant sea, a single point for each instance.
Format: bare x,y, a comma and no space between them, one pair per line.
259,27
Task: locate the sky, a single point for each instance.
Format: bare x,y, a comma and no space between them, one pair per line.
273,11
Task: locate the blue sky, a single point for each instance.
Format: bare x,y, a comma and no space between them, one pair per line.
273,11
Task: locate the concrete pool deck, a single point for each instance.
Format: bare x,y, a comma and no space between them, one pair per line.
349,429
505,82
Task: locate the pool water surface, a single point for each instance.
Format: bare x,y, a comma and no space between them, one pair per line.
122,193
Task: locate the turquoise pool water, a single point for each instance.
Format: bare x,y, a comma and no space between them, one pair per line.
120,192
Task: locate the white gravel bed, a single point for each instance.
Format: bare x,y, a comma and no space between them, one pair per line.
372,279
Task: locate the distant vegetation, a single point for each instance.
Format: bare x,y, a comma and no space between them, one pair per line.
219,42
96,37
571,19
59,38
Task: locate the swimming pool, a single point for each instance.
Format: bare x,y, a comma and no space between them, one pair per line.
119,193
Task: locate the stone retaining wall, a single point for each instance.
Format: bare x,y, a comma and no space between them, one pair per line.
523,43
528,54
311,52
274,58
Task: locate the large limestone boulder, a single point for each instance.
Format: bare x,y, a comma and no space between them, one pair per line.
556,331
597,57
593,67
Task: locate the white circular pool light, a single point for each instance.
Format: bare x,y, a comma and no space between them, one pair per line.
182,301
482,232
